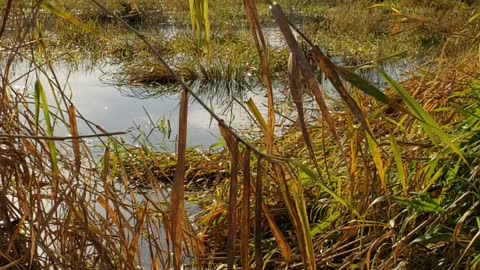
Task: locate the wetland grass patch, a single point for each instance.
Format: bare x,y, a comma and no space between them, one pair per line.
392,175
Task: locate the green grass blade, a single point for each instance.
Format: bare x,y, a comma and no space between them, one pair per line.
314,177
399,163
378,161
191,4
258,116
431,127
297,193
206,21
36,96
368,88
42,101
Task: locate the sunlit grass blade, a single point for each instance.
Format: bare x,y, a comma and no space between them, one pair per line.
378,161
308,254
70,19
354,145
191,4
258,116
431,127
314,177
423,204
42,99
206,22
36,97
399,163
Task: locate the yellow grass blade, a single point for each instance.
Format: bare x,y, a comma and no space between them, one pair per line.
399,163
259,39
43,103
70,19
431,127
258,116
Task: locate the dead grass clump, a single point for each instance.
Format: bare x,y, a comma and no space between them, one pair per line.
204,169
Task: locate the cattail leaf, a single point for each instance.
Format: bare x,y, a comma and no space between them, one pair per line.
258,216
368,88
282,244
297,96
254,24
329,69
134,249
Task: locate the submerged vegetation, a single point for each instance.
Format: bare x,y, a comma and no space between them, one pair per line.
372,179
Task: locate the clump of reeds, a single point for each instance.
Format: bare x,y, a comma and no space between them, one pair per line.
393,175
59,206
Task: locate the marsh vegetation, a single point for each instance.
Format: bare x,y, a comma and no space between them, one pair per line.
336,172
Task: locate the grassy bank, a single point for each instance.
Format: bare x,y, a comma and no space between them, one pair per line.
356,31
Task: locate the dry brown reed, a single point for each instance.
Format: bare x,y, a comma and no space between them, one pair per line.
345,195
58,209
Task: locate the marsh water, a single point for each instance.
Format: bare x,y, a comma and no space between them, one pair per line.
144,113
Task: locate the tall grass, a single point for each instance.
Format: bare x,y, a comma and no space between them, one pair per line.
392,176
60,207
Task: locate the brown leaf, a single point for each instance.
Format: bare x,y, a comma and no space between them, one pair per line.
178,190
245,222
297,96
303,65
232,206
75,141
259,39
